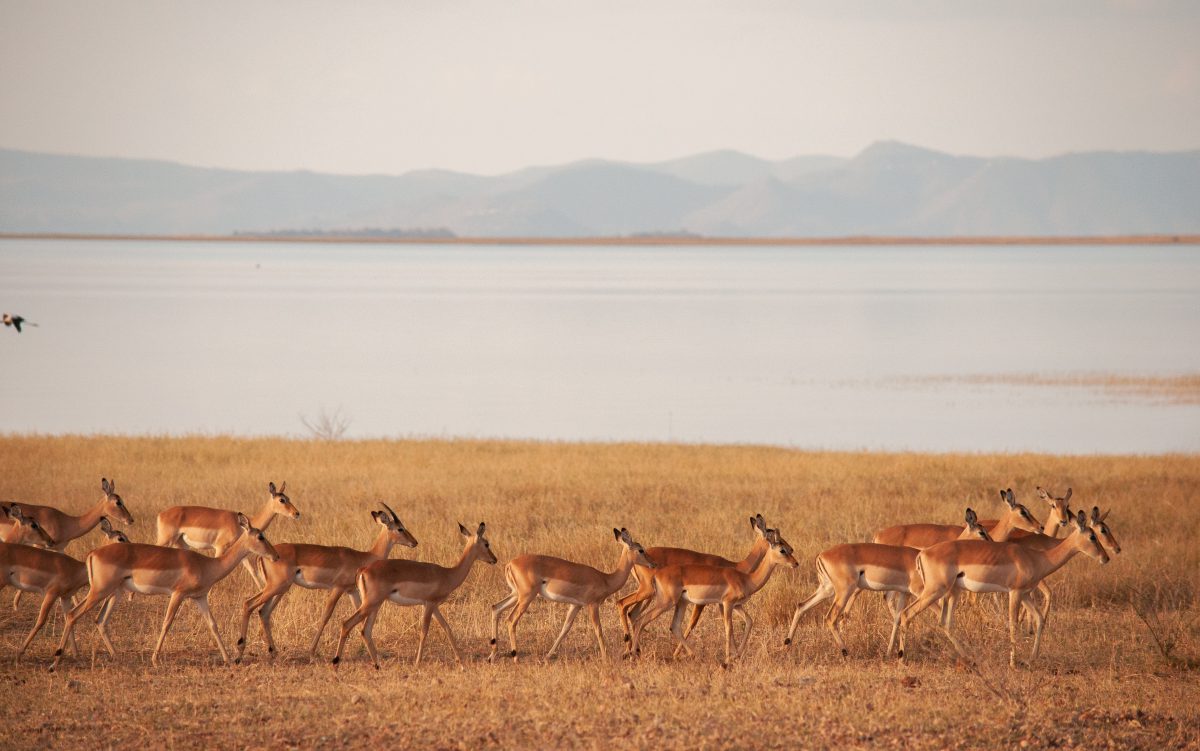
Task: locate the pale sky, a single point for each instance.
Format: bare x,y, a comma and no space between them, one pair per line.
385,87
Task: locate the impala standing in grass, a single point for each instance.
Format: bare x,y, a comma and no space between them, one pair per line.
678,585
631,605
1011,567
320,567
414,583
206,528
558,580
57,576
843,570
156,570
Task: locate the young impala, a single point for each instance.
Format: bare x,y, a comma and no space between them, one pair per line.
843,570
24,530
57,576
1011,567
64,527
679,556
319,567
155,570
558,580
205,528
414,583
677,585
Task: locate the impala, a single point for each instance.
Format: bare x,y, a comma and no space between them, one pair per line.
64,527
156,570
921,536
1060,511
205,528
24,530
843,570
57,576
559,580
414,583
680,556
677,585
1011,567
319,567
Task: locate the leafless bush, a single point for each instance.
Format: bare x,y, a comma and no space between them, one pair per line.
327,426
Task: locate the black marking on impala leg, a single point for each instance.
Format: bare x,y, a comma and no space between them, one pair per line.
377,666
787,642
336,660
58,653
241,641
492,642
627,637
845,652
271,650
901,654
512,653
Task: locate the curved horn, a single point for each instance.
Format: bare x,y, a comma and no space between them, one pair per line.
393,513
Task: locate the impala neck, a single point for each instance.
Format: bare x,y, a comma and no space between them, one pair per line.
1054,558
458,574
617,579
216,569
760,574
265,515
382,545
1003,528
78,526
1051,527
754,557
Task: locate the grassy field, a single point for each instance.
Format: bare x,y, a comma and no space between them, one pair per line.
1118,667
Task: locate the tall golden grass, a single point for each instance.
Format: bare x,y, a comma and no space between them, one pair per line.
1118,662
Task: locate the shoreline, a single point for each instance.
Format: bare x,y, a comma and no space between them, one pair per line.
651,241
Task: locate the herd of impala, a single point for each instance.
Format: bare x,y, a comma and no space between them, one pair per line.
926,563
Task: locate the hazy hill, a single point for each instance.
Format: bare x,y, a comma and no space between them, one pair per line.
889,188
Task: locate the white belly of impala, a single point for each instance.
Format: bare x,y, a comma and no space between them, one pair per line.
975,585
558,596
192,542
702,595
146,589
400,599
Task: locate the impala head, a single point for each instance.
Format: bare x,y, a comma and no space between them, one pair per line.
113,534
283,504
972,530
1022,519
396,531
1060,509
780,552
634,548
1096,522
256,541
483,548
1089,543
30,530
114,506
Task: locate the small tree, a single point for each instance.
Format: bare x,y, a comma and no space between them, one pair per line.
327,426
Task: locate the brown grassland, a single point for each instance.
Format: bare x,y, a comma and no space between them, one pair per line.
1119,664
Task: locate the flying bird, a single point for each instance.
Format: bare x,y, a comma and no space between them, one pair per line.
17,321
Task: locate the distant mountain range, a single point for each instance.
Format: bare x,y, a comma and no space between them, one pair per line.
889,189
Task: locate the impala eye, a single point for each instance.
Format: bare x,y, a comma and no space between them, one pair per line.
262,538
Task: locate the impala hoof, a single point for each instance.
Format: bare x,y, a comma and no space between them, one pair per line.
58,653
270,650
900,654
492,642
627,637
513,653
237,661
377,666
241,642
845,652
787,642
336,660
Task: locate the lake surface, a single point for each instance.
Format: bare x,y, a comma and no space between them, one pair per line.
806,347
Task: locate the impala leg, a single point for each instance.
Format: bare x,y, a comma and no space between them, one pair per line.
572,611
727,619
824,592
749,628
845,615
1045,611
627,604
62,606
172,609
264,616
251,603
1039,624
357,617
249,566
1014,612
441,619
368,634
523,604
330,605
931,594
594,615
202,604
426,615
498,612
677,630
48,601
897,605
660,605
94,598
17,599
696,611
840,600
102,623
949,603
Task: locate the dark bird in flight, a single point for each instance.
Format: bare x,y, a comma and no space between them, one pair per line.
17,321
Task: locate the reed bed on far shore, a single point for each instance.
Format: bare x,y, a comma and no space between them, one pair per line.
1119,662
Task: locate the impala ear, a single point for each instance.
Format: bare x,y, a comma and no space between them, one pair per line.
481,529
283,487
463,530
616,534
271,488
1081,521
243,522
1096,515
1044,495
105,486
105,527
1067,497
380,517
14,512
971,517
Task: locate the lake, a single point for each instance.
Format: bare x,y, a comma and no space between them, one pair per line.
895,348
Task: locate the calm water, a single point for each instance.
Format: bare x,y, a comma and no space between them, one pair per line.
798,347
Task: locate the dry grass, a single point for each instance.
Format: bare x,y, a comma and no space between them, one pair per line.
1102,680
1178,389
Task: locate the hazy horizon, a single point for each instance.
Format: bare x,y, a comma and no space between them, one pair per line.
472,87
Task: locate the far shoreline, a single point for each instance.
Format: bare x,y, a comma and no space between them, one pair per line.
638,241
